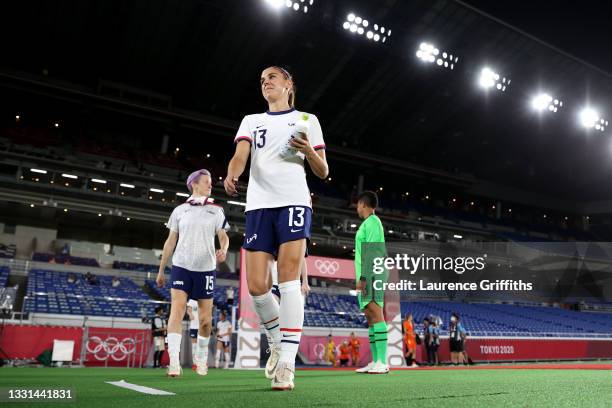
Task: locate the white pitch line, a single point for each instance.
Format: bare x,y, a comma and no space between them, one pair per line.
139,388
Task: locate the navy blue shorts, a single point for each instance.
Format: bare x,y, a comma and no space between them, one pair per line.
193,333
268,228
197,285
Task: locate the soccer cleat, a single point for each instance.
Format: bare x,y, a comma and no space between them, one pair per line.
364,370
379,368
272,361
202,369
174,371
283,377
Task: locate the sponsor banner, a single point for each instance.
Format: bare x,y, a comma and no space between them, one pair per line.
334,268
19,341
105,346
528,349
314,348
248,340
117,347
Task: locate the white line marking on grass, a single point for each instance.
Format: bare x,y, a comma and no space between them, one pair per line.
139,388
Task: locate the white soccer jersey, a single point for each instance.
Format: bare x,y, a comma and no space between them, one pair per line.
223,328
196,226
275,181
229,293
195,323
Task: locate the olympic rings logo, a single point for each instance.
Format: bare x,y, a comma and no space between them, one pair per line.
327,267
319,351
111,347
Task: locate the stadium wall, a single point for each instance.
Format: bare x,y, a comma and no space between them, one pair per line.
28,341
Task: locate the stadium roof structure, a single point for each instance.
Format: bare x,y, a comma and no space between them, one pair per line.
206,56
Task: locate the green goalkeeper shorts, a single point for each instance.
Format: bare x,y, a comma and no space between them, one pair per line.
365,300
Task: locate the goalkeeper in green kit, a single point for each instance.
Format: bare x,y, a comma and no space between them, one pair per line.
370,244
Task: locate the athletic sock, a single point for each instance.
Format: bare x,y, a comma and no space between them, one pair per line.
227,359
217,357
380,336
194,350
202,349
268,336
155,359
268,310
372,343
174,348
291,319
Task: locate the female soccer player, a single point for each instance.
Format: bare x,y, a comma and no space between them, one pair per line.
193,225
371,301
409,340
224,335
278,211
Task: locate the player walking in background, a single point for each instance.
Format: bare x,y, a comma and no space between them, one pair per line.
224,337
355,346
278,212
194,325
409,341
193,227
371,231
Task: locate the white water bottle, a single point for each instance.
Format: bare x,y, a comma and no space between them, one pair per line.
301,127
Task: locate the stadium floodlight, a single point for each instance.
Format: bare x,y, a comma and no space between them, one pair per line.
156,190
546,102
126,185
457,236
359,25
601,125
491,79
182,195
277,4
590,118
38,171
70,176
295,5
99,181
429,53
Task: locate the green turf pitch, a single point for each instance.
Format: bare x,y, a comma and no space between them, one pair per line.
322,388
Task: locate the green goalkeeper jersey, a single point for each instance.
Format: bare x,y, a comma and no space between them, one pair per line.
370,230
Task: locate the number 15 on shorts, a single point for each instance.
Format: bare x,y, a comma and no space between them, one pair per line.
210,283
